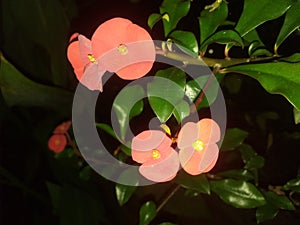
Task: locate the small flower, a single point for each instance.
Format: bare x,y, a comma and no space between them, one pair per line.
152,148
62,128
197,143
57,142
116,37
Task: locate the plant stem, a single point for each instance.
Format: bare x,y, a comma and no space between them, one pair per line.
167,197
210,62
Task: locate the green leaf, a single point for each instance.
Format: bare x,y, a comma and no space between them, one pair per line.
85,173
255,162
72,212
279,201
233,138
242,174
266,212
256,12
54,191
276,77
192,89
291,23
166,91
181,111
175,10
197,183
256,46
224,37
147,213
19,90
293,185
107,128
247,152
186,41
296,116
237,193
153,19
124,106
210,21
124,192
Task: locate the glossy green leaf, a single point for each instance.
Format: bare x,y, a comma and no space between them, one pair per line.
237,193
166,91
197,183
293,185
153,19
255,162
233,138
224,37
296,116
256,12
276,77
279,201
186,41
247,152
194,87
175,11
181,111
19,90
126,149
256,46
107,128
291,23
266,212
147,213
124,105
124,192
210,21
241,174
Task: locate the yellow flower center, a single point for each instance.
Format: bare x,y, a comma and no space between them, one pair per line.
155,154
57,142
123,49
198,145
92,58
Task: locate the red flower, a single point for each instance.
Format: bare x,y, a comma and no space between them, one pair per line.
57,142
198,149
116,37
152,148
62,128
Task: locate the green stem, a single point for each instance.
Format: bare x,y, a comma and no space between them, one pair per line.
210,62
168,197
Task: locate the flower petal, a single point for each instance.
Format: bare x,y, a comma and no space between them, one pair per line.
62,128
143,144
73,54
195,162
187,135
209,131
162,171
92,76
85,47
109,35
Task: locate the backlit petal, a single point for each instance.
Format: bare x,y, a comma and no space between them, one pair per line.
209,131
187,135
73,54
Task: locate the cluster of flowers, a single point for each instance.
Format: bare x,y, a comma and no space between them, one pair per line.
109,50
58,141
198,151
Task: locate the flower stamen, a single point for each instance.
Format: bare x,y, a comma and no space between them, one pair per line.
123,49
92,58
198,145
155,154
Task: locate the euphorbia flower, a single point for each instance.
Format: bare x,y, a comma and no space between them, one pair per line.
152,148
116,43
62,128
197,143
57,143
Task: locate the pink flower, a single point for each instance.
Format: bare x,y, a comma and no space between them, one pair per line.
152,148
57,143
62,128
115,36
197,143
